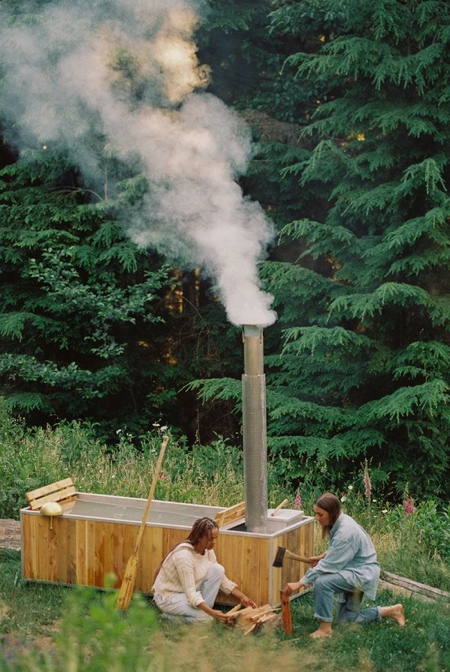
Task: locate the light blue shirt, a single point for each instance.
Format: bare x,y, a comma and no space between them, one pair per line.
352,555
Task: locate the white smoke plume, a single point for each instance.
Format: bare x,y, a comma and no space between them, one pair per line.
117,82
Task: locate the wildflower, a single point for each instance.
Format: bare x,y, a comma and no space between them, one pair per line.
367,483
409,506
343,498
350,487
162,477
298,501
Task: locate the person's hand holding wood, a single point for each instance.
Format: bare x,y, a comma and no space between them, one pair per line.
292,587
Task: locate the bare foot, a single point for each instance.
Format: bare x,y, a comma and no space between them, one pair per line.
395,612
318,634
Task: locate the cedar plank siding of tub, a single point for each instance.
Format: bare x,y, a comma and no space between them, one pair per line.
246,562
300,542
85,552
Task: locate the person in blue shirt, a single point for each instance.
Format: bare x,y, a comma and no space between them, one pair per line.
349,568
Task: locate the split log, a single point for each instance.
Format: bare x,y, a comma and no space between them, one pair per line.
286,612
250,620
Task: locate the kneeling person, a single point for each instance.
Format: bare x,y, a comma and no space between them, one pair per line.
349,568
189,578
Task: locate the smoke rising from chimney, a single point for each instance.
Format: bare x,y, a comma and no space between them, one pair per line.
117,84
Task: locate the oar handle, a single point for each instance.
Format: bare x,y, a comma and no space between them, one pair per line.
280,506
152,492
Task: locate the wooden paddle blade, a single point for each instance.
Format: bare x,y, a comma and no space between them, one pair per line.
127,587
286,612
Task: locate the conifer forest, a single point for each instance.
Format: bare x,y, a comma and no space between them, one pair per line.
173,169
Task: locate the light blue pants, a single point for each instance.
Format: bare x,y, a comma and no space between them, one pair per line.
177,604
349,601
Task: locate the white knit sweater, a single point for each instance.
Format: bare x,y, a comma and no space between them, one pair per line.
183,571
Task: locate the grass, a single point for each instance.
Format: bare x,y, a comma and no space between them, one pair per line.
211,475
46,628
424,644
55,629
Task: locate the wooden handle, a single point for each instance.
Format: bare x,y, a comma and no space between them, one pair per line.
152,492
280,506
294,556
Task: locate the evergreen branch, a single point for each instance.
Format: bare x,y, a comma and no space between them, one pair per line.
317,448
361,306
426,399
88,384
310,338
26,402
217,388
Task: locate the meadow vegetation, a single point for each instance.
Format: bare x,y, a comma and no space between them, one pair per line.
53,628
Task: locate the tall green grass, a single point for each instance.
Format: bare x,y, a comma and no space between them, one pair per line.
30,458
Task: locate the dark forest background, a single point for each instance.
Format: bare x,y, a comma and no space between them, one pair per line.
348,104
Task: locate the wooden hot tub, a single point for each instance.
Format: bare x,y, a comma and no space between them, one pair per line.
95,537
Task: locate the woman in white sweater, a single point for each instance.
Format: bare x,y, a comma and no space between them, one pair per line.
190,577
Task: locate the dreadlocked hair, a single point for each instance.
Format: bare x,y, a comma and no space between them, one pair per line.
201,527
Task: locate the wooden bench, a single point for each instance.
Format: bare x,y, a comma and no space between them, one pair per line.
61,491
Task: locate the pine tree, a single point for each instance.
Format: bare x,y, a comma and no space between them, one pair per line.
364,371
81,307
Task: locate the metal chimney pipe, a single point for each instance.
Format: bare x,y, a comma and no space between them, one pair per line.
254,430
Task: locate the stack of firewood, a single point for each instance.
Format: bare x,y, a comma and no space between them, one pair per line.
251,620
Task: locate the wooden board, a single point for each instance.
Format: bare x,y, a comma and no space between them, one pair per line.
286,613
415,587
10,534
231,515
55,492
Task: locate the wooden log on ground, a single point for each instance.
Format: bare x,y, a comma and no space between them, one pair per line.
10,535
415,587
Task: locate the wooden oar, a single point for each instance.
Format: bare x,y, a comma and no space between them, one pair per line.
129,578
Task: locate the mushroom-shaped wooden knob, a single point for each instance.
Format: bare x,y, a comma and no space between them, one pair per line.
51,509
